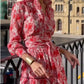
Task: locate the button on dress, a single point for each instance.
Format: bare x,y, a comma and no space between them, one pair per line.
35,28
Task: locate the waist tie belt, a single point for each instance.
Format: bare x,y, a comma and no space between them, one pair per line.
40,43
37,41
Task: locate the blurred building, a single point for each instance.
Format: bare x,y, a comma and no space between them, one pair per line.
62,10
10,4
69,17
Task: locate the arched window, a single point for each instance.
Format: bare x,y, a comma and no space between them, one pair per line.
77,9
59,23
61,7
56,8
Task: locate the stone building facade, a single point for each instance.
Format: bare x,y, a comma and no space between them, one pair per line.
69,16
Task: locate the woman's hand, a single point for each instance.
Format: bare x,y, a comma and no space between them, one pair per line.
39,70
36,67
70,57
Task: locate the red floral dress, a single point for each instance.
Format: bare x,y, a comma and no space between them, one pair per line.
30,24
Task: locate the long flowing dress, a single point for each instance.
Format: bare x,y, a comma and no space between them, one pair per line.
35,28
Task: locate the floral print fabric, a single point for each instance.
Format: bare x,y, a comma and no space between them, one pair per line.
35,28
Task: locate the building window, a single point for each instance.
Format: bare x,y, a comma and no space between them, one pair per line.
77,9
10,4
70,7
77,21
59,25
82,21
82,10
56,8
61,7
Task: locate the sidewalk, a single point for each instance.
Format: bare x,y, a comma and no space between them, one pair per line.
68,35
65,38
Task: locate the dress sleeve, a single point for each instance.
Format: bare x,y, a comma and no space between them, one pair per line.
16,24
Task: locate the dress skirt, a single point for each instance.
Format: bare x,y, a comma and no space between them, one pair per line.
49,56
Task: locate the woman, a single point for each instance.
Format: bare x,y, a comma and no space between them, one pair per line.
33,22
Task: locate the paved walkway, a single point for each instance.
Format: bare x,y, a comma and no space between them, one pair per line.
68,35
65,38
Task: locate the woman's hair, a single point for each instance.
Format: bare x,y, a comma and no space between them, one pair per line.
47,2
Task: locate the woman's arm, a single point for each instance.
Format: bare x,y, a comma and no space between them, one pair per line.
70,57
14,45
15,31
